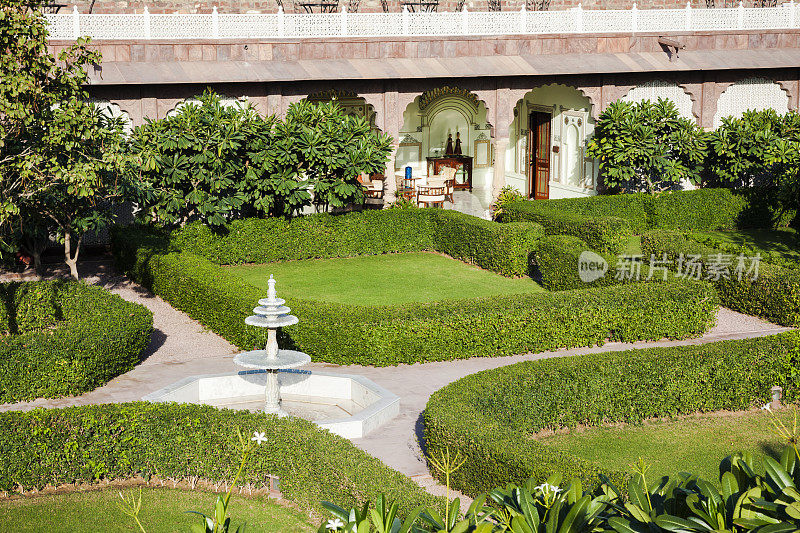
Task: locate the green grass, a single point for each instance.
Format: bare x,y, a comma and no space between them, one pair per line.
694,444
163,510
383,279
777,246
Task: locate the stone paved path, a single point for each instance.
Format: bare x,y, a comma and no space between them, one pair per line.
181,347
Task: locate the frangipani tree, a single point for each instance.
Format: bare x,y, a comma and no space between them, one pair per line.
647,146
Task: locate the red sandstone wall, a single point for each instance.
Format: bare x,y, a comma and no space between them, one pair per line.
271,6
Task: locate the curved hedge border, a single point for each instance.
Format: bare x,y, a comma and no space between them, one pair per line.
773,295
66,338
381,335
491,416
88,443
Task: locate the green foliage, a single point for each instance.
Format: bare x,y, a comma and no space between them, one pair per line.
508,195
61,158
777,247
329,148
181,442
66,339
773,295
557,260
214,163
389,335
647,146
606,223
492,417
502,248
207,162
608,234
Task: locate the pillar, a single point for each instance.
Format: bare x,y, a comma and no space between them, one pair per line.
499,180
390,184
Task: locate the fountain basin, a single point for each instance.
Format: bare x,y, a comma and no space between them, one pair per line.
348,405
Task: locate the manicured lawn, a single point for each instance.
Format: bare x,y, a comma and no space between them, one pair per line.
163,510
383,279
695,444
778,246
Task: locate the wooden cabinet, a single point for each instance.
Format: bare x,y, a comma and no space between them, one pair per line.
459,162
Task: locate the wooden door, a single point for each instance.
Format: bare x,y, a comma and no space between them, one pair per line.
539,155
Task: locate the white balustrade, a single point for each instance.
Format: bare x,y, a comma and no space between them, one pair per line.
343,24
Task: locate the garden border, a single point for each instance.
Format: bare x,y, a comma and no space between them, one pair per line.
97,337
592,389
390,335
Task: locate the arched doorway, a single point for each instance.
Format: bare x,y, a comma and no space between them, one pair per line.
653,90
447,126
547,144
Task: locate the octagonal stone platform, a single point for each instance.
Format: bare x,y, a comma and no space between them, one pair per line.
347,405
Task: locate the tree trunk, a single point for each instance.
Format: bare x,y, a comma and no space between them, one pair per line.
35,248
69,258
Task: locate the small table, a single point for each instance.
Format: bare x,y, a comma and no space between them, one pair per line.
429,6
322,7
463,162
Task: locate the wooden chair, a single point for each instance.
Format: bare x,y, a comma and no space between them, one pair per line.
408,187
431,196
449,176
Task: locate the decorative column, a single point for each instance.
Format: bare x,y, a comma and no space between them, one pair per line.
390,183
499,181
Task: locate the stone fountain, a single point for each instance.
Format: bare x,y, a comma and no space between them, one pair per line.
272,314
348,405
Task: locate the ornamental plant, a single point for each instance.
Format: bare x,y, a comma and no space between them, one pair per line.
762,148
647,147
62,160
216,163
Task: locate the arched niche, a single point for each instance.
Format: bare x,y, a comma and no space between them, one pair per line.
112,110
433,116
752,93
546,155
655,89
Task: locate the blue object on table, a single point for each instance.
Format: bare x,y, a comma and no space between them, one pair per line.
408,173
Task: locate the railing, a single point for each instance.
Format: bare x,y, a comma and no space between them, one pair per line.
405,23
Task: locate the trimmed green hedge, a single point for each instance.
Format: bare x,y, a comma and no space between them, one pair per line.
595,219
66,338
89,443
492,417
502,248
557,259
382,335
773,295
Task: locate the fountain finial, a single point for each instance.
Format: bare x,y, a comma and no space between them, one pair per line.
271,294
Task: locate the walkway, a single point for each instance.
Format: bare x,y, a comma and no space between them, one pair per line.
181,347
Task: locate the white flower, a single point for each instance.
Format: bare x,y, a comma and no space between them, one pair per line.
766,407
334,525
259,437
547,487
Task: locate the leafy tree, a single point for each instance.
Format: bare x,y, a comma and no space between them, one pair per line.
217,163
761,149
329,149
204,162
647,146
61,159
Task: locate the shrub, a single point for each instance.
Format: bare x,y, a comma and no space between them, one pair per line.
773,295
91,443
97,336
647,146
492,417
383,335
604,234
498,247
702,209
557,260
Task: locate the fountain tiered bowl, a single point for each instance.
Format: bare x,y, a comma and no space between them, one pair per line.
348,405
